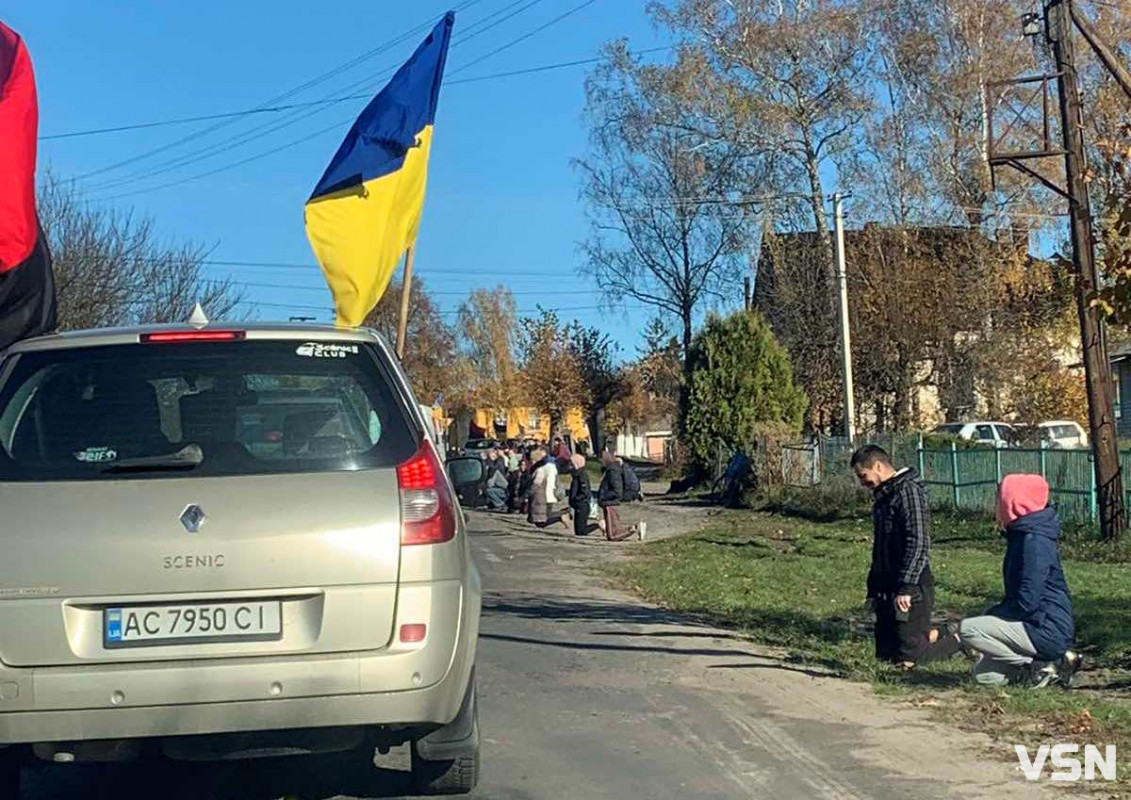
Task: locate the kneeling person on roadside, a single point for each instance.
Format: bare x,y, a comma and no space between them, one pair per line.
901,588
580,495
1026,637
610,497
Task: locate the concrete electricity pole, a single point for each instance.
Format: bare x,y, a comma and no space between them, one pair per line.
845,329
1097,370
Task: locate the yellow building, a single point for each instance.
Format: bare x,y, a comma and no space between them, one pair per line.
522,422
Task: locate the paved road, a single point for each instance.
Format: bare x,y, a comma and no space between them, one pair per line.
588,694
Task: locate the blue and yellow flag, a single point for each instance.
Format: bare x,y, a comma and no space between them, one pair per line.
365,212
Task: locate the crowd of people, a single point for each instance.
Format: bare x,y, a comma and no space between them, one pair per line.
1026,638
551,486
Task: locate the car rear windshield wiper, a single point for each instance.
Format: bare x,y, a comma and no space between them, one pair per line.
186,458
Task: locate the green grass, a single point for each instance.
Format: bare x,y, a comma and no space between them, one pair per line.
798,585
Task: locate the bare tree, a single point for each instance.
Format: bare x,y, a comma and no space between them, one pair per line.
111,268
662,231
936,62
789,84
796,76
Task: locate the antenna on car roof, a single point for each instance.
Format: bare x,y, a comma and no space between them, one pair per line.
198,319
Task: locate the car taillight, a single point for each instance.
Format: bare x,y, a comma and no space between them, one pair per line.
182,337
428,511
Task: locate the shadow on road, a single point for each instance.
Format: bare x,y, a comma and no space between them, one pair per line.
309,778
764,663
777,665
718,635
555,610
617,648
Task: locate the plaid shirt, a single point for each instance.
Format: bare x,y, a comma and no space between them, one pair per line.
901,547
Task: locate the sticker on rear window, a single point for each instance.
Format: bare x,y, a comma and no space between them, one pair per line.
315,350
96,455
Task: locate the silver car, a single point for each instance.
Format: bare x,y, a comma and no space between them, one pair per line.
227,542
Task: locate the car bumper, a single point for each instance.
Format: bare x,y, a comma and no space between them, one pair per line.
74,704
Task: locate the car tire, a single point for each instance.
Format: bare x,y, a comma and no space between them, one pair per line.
10,773
447,761
457,776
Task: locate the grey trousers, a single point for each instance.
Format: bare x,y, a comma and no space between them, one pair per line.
1005,650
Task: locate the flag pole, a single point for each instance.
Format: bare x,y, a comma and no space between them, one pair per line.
406,292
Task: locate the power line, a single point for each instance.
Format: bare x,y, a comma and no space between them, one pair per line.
295,116
298,288
308,104
470,33
488,273
580,7
313,135
450,312
995,212
226,167
549,67
291,118
276,99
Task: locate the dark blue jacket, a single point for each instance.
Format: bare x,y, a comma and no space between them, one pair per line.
1036,592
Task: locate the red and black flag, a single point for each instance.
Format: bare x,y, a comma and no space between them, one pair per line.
27,286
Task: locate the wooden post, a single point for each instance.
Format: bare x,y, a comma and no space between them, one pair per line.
1093,500
406,293
956,489
1097,369
1106,54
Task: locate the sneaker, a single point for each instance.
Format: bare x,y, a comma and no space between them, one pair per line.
1070,663
1045,674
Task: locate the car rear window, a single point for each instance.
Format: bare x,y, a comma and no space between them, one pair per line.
251,407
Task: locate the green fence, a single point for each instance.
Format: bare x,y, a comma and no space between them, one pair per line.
967,478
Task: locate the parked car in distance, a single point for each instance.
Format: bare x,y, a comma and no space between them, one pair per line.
228,542
1063,434
476,447
985,434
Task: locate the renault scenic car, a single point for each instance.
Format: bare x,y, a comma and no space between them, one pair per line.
226,542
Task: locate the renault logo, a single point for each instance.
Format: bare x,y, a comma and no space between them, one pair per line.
193,518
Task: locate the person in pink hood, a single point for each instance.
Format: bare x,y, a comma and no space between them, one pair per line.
1028,636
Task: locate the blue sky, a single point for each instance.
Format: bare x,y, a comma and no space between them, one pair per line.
502,194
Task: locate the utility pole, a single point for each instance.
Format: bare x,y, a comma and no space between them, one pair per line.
1097,370
845,329
1103,50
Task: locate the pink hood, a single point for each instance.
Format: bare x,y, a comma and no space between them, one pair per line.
1019,496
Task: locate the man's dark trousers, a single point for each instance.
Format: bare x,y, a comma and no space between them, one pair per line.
899,640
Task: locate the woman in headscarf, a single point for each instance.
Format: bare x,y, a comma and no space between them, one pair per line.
543,491
580,495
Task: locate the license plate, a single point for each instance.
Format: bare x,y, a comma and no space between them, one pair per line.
130,626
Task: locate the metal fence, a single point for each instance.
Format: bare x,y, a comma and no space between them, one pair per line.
801,464
967,478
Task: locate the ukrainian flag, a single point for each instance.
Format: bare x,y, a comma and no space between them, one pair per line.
365,212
